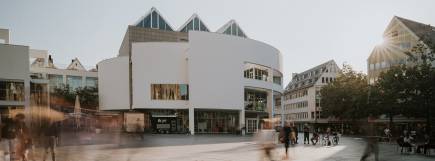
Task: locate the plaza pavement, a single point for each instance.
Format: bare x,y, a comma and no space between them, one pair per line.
220,148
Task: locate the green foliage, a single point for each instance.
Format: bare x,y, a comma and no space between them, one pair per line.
347,96
88,96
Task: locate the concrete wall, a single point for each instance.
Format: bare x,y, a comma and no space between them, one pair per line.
14,62
216,64
113,84
158,63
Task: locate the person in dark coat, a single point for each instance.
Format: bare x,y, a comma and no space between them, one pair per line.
50,135
285,137
306,134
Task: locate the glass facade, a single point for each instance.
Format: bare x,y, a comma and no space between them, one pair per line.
11,90
55,81
234,30
169,91
154,20
194,24
255,100
216,121
74,82
91,82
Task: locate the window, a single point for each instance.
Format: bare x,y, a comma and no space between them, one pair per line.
74,82
11,90
323,80
255,100
91,82
169,91
55,81
277,80
154,20
394,34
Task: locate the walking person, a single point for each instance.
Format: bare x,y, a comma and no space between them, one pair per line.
296,132
266,140
139,129
285,137
50,135
22,137
7,139
306,134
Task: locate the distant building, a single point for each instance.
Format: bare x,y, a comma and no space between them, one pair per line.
14,76
400,36
191,78
302,94
46,77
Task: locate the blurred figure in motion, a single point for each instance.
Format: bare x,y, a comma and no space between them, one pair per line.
139,129
266,139
22,136
371,148
7,138
50,135
284,137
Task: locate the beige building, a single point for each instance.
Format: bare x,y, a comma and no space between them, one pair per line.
302,95
399,37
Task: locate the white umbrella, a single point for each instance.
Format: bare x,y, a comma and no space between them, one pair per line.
77,111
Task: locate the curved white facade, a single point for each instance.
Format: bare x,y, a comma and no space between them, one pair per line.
113,88
211,64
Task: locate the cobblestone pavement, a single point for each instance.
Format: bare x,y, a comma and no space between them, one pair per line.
221,148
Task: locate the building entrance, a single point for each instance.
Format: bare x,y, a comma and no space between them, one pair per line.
252,125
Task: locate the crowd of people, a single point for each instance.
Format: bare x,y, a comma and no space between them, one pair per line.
18,140
288,135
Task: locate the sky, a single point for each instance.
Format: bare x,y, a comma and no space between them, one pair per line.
307,32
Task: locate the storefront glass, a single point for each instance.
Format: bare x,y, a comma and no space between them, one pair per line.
216,121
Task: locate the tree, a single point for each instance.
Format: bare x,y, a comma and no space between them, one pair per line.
347,97
65,96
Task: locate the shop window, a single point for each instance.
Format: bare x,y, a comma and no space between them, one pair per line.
169,91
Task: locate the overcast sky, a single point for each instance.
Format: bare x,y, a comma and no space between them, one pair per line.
307,32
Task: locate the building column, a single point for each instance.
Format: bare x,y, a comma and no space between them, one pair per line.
192,120
242,121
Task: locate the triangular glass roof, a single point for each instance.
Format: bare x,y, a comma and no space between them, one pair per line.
194,23
232,28
154,20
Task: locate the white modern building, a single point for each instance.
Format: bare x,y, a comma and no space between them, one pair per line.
208,82
14,76
302,94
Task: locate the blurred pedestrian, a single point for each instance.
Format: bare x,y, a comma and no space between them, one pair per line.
139,129
7,138
296,132
50,136
285,137
371,148
23,142
266,139
306,134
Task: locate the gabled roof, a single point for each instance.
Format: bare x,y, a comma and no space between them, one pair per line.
194,23
425,32
76,65
232,28
308,81
153,19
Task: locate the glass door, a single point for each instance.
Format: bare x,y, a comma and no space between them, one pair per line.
252,125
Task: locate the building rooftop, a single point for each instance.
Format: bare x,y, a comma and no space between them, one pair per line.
153,19
308,78
425,32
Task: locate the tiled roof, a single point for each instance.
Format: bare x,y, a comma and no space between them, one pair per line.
303,80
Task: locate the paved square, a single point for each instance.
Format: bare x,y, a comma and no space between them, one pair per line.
221,148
